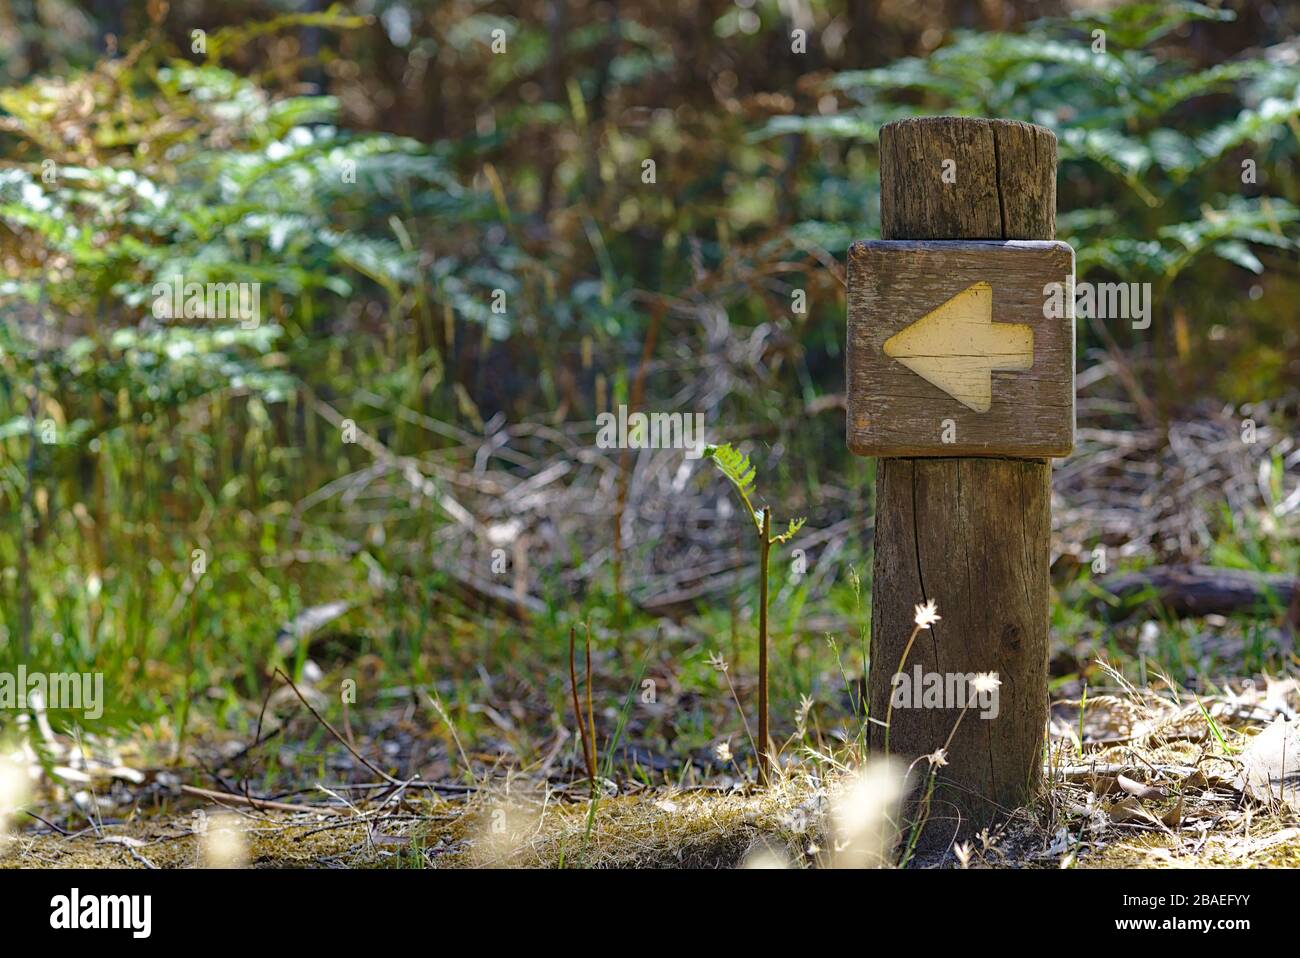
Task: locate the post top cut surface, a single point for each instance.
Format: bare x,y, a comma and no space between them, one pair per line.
961,348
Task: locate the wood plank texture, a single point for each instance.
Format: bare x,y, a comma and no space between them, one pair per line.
895,411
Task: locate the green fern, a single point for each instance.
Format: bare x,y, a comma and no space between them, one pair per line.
790,532
1162,129
736,466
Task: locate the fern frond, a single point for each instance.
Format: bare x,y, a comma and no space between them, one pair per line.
735,465
790,532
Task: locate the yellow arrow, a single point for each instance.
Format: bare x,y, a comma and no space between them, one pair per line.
957,346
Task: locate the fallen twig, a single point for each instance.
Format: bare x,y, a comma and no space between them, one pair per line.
342,741
260,804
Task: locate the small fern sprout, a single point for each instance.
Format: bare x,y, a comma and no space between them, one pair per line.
736,466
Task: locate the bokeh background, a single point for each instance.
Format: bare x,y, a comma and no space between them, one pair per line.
393,478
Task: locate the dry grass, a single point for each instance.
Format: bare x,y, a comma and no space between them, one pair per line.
1139,777
663,829
271,841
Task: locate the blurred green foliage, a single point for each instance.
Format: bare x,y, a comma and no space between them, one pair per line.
382,176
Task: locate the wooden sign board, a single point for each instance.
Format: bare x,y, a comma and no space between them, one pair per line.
961,348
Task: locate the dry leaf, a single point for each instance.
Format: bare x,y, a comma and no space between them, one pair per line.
1103,785
1138,789
1130,810
1174,817
1271,765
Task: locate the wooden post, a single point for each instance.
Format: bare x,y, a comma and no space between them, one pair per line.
971,534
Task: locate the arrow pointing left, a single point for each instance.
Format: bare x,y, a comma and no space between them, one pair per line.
956,346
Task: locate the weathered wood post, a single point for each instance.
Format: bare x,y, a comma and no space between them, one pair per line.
963,384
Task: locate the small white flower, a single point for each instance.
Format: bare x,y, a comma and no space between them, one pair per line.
718,662
723,751
985,682
928,614
963,852
938,758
